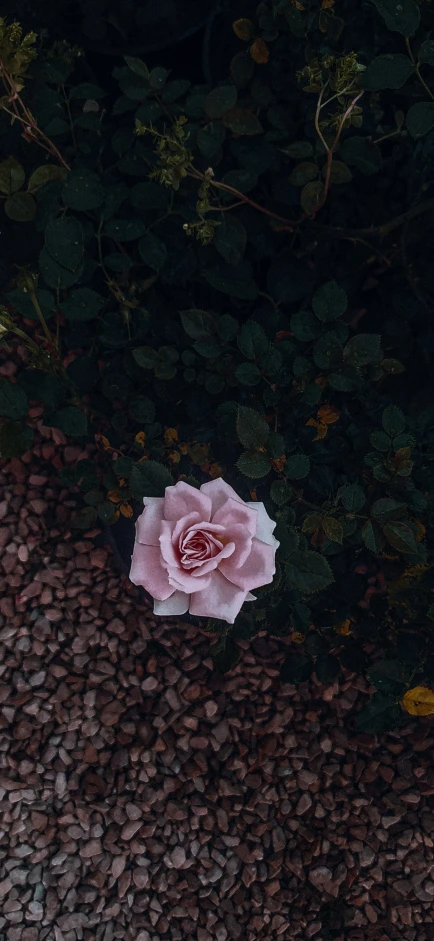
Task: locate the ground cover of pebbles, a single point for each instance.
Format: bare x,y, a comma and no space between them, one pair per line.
142,798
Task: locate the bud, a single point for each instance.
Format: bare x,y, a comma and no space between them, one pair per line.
26,281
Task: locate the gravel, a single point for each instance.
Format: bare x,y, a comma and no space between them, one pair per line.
144,798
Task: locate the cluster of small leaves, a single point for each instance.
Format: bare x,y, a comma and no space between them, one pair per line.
182,315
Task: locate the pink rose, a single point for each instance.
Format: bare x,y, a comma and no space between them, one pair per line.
203,550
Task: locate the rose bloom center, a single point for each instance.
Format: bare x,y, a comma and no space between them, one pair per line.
197,546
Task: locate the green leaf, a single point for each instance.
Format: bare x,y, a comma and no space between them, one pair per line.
297,466
329,302
400,17
20,207
23,303
252,340
149,479
143,410
333,529
12,176
304,326
125,230
13,401
45,174
252,429
248,374
339,172
327,668
254,464
280,492
43,387
372,537
122,466
288,538
380,440
303,173
426,52
361,153
137,66
148,195
386,508
54,274
393,421
227,328
241,121
208,347
311,196
15,439
146,357
352,497
64,242
363,349
387,71
327,352
210,139
220,100
389,676
71,420
420,118
401,537
197,323
83,304
298,149
296,668
117,261
152,251
308,572
381,714
88,91
230,240
225,654
83,191
85,517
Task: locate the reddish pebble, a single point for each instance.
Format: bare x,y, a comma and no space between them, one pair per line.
23,553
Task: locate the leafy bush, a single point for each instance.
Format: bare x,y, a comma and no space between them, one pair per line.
235,281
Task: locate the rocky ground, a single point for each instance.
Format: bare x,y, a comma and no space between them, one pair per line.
142,798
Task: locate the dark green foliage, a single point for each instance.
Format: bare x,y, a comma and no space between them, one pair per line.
221,286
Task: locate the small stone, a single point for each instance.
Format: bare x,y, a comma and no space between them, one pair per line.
303,805
92,848
178,857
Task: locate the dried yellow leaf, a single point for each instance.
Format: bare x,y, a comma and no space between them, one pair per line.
419,701
140,439
297,637
343,629
243,29
126,510
170,436
260,52
328,414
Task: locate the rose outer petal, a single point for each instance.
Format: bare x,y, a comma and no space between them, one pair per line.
176,604
219,492
183,499
258,569
266,525
148,525
148,572
234,513
221,600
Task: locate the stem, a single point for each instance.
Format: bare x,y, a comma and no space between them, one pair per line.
331,150
417,69
387,227
317,127
71,123
42,320
241,197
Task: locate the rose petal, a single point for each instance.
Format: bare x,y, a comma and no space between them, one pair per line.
250,597
213,563
148,525
222,600
147,570
176,604
258,569
234,513
266,525
219,491
183,499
